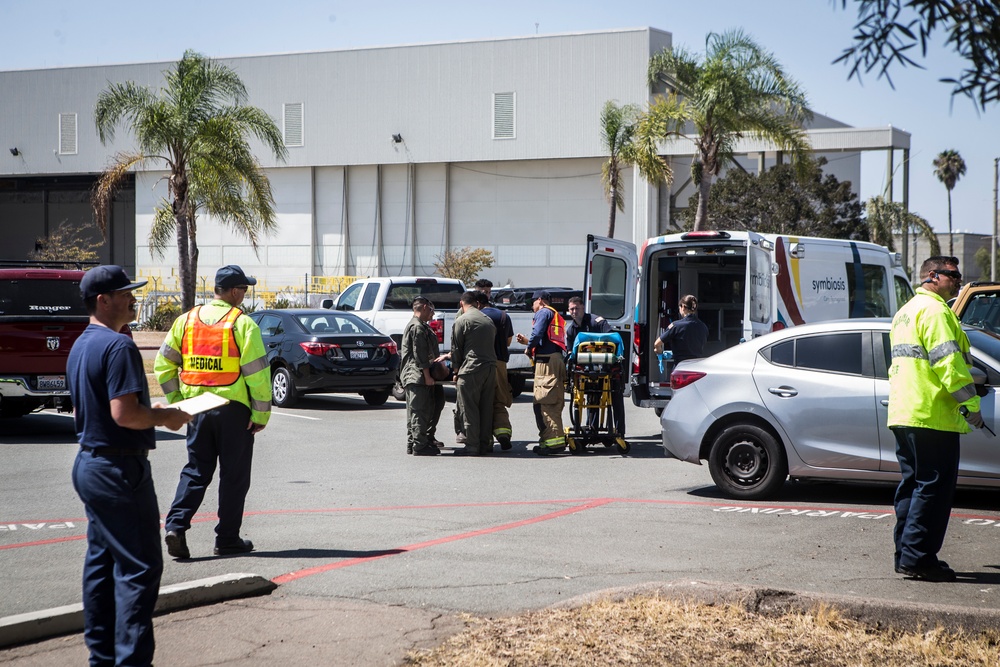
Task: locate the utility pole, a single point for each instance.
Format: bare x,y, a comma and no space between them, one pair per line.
993,255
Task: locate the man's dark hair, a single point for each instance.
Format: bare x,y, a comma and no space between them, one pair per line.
469,297
419,301
935,263
90,303
484,283
482,299
575,299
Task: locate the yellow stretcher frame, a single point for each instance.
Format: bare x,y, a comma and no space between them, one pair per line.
590,376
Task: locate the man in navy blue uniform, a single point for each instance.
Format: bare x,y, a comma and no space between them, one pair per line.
115,425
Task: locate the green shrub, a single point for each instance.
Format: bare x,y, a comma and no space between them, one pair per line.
163,317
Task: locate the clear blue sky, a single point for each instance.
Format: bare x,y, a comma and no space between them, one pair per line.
805,35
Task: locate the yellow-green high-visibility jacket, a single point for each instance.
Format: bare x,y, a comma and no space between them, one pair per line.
929,379
252,388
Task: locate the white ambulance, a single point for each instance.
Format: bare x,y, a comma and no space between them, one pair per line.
747,284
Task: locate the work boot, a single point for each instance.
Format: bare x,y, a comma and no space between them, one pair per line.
505,443
177,544
232,548
460,438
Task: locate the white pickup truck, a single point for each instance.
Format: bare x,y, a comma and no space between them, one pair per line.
385,304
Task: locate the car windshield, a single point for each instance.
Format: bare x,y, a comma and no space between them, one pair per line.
334,323
40,298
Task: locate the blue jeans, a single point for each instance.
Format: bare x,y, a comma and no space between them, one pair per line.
928,460
121,573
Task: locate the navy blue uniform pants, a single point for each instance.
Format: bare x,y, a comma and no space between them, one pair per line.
217,436
121,572
928,460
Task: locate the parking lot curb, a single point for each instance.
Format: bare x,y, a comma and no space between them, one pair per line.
68,619
878,613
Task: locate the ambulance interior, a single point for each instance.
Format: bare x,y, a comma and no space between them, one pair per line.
716,275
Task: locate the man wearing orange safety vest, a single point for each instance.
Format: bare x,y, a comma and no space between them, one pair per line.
547,346
216,349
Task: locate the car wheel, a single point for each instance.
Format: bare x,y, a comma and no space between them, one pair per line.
398,392
283,392
747,462
517,384
376,397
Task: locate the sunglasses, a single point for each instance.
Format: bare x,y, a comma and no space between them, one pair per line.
954,275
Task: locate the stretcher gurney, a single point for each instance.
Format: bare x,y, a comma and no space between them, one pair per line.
594,373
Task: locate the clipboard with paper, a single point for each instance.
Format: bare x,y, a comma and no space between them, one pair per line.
200,403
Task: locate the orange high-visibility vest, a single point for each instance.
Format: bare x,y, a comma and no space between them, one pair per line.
557,328
211,357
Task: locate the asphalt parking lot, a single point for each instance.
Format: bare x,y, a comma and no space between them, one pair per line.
337,511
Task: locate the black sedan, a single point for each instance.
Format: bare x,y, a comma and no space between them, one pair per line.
326,351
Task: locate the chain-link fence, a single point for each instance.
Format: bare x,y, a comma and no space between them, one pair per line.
160,299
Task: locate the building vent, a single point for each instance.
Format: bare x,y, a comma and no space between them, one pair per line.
67,134
503,115
293,124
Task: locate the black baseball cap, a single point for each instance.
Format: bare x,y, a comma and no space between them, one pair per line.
541,294
231,276
106,278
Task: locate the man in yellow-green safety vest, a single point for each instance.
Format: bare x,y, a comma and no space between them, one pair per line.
216,348
932,399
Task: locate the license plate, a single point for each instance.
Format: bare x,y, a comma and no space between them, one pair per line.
359,354
51,381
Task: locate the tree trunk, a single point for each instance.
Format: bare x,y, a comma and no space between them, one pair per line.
704,187
614,204
179,185
951,243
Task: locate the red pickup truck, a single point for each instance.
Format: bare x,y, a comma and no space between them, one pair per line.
41,315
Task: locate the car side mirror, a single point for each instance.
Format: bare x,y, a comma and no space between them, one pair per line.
326,303
979,377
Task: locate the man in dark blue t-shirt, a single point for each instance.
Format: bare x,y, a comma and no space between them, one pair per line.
111,474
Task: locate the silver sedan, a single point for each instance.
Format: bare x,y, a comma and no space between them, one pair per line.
810,402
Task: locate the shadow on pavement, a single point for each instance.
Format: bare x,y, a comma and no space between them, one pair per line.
299,553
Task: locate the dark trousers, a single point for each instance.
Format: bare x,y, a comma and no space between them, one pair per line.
217,436
423,410
124,561
928,460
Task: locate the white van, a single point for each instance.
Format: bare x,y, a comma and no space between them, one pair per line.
747,284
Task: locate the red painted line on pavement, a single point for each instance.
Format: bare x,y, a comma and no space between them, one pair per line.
205,517
43,542
292,576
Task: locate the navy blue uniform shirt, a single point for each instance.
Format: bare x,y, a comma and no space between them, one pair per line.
103,365
505,330
686,338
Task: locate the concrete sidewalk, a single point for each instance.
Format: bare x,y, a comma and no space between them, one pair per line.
296,630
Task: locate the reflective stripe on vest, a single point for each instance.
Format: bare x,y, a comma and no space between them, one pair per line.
557,328
211,355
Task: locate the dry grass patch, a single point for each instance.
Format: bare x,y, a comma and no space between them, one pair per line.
154,387
656,631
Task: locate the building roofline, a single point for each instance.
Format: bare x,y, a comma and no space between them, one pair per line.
350,49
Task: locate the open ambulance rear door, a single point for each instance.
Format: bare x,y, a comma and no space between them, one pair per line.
610,283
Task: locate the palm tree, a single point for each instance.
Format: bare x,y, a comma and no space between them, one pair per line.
738,89
198,128
625,148
886,218
949,167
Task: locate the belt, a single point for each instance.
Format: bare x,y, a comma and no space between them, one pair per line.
542,357
114,451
